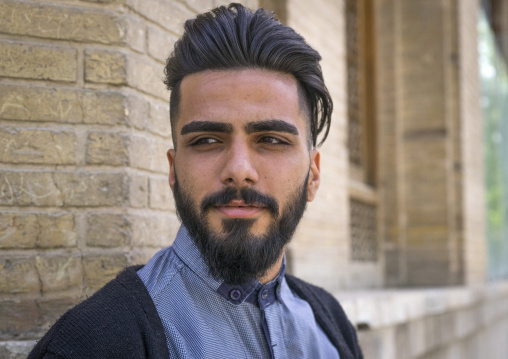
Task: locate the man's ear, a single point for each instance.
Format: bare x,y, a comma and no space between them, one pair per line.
171,159
313,181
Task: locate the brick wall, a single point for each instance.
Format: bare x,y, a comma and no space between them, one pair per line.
430,142
322,236
84,130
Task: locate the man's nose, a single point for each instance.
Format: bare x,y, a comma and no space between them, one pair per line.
239,168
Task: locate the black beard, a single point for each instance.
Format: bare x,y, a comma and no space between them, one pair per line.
235,255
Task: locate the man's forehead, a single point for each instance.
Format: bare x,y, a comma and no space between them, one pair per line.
238,96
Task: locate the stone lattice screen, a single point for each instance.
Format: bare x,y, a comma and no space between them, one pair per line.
84,130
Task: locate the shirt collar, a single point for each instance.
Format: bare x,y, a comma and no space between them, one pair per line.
252,291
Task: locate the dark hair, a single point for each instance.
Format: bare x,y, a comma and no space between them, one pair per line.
234,37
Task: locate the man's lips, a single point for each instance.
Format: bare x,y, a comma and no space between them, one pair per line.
239,209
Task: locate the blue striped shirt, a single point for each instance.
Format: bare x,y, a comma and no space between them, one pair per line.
206,318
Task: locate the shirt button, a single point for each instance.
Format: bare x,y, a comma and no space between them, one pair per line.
235,294
264,294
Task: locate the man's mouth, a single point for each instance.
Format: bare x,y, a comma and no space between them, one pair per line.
239,209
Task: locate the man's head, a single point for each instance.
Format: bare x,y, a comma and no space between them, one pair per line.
244,166
234,37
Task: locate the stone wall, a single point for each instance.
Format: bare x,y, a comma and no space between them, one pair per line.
452,323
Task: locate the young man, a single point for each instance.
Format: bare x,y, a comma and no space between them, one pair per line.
248,102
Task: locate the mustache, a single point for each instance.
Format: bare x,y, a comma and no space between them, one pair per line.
248,195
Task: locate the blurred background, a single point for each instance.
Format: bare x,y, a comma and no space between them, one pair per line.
410,227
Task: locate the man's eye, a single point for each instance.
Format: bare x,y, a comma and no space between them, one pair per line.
272,140
204,141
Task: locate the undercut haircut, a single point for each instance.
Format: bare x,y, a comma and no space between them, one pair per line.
237,38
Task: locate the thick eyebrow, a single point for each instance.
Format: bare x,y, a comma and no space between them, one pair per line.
271,125
206,126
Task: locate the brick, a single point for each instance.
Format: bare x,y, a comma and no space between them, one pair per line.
108,230
62,188
31,230
138,191
161,196
18,230
18,275
156,230
51,307
101,1
159,119
168,14
200,5
148,153
108,148
101,269
147,76
252,4
138,112
23,188
117,68
62,105
62,22
92,189
160,43
56,231
59,273
20,319
107,108
105,67
16,350
41,62
37,146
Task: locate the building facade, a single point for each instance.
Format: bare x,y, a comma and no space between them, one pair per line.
403,230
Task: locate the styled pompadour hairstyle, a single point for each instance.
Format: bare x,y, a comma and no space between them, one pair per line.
235,38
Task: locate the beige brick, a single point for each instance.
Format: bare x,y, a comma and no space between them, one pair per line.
107,108
148,153
105,67
18,230
63,105
62,188
159,119
161,196
31,230
20,319
16,350
18,275
41,62
200,5
108,230
108,148
59,273
168,14
52,306
22,188
92,189
118,68
157,230
252,4
57,230
147,76
138,191
138,112
102,268
160,43
37,146
62,22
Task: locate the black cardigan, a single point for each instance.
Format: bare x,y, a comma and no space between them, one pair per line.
121,321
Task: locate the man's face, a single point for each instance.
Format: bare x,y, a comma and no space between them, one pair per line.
243,171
